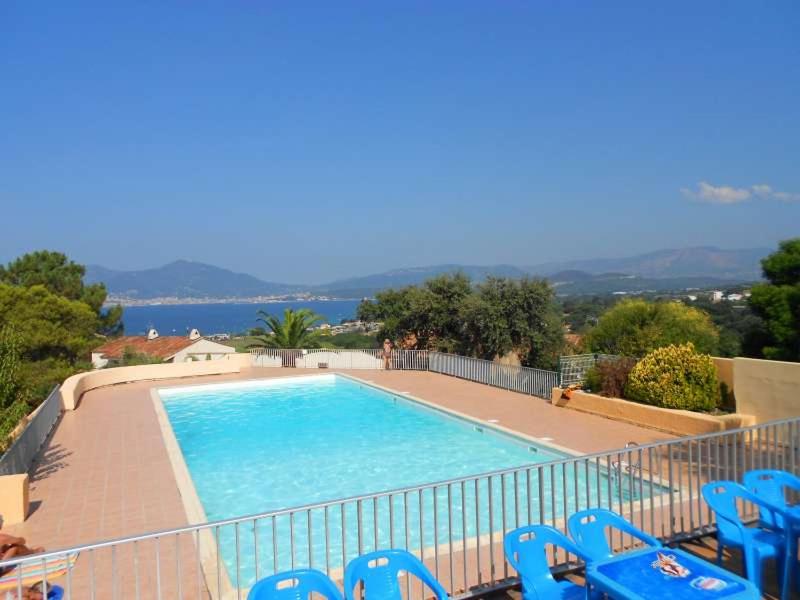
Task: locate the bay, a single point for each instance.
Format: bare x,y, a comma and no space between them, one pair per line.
178,319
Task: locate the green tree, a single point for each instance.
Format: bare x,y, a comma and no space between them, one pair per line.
51,326
426,316
294,331
636,327
496,317
13,395
64,278
56,334
741,332
777,302
519,316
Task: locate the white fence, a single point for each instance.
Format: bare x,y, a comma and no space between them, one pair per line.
573,368
335,358
536,382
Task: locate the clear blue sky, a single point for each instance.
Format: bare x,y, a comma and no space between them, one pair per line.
303,142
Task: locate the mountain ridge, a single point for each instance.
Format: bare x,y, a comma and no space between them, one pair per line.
703,266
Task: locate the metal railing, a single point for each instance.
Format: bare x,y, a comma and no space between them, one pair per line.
573,369
455,526
336,358
536,382
526,380
20,455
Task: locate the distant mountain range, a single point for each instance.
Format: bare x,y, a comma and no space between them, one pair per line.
701,267
184,279
703,261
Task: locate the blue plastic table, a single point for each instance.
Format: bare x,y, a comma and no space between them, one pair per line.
666,574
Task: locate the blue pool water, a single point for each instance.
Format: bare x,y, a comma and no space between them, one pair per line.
260,446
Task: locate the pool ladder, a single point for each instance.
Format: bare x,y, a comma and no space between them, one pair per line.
620,467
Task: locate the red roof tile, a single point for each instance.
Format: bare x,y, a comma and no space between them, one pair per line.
160,347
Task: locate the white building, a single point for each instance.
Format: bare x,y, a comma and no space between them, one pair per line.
169,348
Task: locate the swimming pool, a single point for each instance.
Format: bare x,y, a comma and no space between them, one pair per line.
259,446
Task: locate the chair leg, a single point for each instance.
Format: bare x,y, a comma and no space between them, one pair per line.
752,566
719,552
783,581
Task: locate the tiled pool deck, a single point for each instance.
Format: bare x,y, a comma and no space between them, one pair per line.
106,473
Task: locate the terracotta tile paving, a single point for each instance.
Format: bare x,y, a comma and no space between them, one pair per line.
105,473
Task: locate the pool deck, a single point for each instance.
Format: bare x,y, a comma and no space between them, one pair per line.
106,473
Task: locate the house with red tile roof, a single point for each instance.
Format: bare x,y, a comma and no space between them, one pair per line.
168,348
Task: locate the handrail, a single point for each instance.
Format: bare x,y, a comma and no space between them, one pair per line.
498,473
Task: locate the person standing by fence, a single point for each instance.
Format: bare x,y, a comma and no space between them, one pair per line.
387,354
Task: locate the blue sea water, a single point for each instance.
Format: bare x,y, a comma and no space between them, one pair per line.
177,319
264,445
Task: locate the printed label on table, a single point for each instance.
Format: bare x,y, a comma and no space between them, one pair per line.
708,584
669,565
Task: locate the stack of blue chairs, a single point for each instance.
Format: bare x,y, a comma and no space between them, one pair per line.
778,526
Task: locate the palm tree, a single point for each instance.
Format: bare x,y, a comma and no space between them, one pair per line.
293,332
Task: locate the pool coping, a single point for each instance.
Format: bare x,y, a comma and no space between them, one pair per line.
214,568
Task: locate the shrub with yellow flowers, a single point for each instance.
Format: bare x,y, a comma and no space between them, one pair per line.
675,376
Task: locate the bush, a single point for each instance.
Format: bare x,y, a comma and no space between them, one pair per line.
612,375
635,327
675,377
592,381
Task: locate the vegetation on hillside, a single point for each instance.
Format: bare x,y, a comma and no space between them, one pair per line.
352,340
343,340
494,318
741,332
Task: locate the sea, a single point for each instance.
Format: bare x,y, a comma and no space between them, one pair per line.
209,319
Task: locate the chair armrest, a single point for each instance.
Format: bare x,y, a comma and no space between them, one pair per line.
758,501
432,583
792,482
641,535
573,548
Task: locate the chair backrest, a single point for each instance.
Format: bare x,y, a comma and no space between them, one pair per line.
526,551
588,529
722,497
379,571
294,585
770,485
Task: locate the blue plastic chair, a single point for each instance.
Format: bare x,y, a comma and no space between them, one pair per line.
770,485
379,571
525,550
294,585
55,592
756,544
588,529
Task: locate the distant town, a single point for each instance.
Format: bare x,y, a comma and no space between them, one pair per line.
114,299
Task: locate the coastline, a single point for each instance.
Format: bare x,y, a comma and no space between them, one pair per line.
174,301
